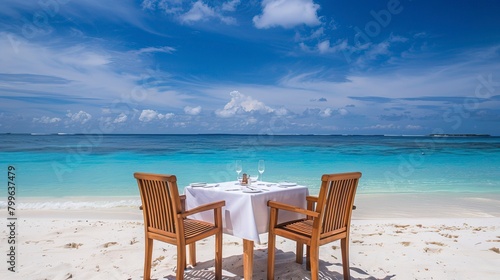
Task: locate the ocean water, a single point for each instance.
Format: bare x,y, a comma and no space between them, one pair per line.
59,166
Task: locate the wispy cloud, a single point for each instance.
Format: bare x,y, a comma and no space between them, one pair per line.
165,49
193,12
102,76
46,120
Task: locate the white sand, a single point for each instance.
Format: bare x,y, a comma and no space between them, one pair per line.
392,237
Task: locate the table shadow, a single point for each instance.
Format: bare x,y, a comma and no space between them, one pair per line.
285,268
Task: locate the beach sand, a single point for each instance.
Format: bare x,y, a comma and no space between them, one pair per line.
439,236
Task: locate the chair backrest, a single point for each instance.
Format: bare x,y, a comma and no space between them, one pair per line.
335,202
160,202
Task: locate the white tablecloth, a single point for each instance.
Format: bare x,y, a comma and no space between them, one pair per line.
246,215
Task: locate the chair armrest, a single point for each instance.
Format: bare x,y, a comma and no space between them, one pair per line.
287,207
182,197
203,208
311,204
312,198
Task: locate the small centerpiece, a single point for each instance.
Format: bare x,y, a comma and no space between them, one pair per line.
245,179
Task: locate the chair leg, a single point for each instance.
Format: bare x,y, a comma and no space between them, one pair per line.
181,262
308,258
314,260
271,243
218,256
299,255
344,246
148,253
192,254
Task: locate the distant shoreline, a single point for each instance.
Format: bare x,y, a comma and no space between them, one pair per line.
249,134
458,135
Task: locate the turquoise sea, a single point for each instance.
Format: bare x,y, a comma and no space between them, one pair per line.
64,165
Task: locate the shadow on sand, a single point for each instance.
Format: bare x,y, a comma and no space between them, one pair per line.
285,268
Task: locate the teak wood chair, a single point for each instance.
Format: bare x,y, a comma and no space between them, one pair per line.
328,218
165,219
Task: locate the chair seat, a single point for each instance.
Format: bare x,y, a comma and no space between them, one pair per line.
194,227
302,227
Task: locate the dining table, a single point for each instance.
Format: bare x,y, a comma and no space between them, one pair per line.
246,214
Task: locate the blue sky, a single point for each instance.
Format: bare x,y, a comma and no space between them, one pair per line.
272,66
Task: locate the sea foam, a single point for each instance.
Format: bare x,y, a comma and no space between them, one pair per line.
73,204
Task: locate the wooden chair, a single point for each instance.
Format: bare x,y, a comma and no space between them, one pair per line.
166,220
328,218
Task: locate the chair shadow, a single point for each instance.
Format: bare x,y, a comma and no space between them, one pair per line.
285,268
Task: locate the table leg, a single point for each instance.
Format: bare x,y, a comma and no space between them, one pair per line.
247,259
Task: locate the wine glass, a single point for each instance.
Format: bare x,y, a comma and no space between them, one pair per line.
239,168
262,167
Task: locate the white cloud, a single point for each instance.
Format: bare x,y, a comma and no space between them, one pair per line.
376,50
231,5
396,38
384,126
304,47
225,113
199,11
149,115
167,6
314,35
252,120
417,127
46,119
121,118
281,112
165,116
287,14
317,33
372,51
241,103
202,12
148,4
228,20
80,117
325,47
363,53
343,111
326,112
192,110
